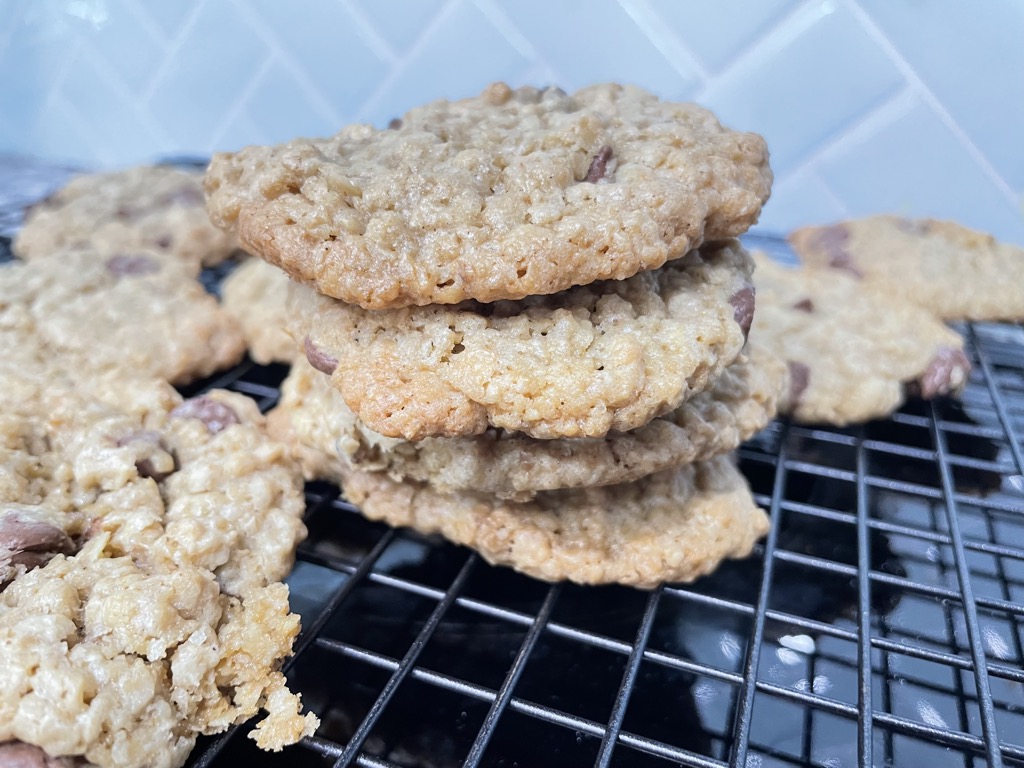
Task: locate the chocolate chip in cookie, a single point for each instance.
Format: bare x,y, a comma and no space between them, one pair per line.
947,372
153,459
215,415
27,542
132,265
599,165
743,307
799,378
832,240
319,359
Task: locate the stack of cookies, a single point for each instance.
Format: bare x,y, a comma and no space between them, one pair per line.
520,321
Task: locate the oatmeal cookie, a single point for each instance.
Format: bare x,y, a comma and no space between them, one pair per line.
153,208
852,353
86,312
955,272
141,550
673,526
505,195
255,294
605,357
126,667
170,480
323,432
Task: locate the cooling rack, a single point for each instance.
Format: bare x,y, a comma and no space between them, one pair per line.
880,622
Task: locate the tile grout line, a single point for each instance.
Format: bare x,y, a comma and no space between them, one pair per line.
862,123
171,53
54,92
142,17
239,101
809,172
101,65
368,32
493,13
167,142
503,24
55,99
400,64
281,55
831,193
753,48
665,40
921,89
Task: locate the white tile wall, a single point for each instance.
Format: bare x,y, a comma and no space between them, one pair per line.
915,106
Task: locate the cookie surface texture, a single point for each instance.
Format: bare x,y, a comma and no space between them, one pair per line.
141,552
156,208
672,526
852,353
86,312
255,294
501,196
608,356
955,272
313,418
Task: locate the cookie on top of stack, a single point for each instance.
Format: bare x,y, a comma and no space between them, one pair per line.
523,320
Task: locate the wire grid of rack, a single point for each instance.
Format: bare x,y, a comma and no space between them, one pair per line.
880,623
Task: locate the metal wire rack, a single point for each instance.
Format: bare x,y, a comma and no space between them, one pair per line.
880,622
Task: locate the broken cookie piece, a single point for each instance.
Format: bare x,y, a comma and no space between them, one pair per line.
142,543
